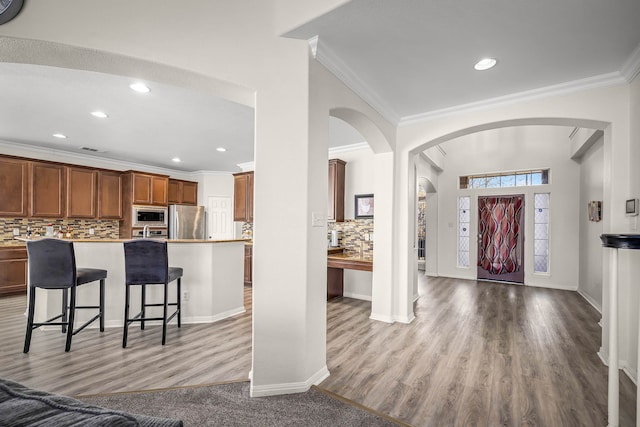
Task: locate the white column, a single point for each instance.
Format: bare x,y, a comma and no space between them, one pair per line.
382,282
614,408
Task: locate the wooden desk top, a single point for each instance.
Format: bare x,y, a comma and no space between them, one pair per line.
350,262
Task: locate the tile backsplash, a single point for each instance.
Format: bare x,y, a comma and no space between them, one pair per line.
247,230
355,235
79,228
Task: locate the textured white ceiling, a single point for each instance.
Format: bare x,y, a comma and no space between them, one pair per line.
411,57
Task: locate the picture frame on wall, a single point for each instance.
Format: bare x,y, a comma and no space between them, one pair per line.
364,206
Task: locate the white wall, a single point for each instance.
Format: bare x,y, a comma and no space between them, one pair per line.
510,149
358,176
591,189
630,260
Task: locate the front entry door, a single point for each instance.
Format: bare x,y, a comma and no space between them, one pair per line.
501,238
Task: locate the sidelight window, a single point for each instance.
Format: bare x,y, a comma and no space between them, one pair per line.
541,233
464,218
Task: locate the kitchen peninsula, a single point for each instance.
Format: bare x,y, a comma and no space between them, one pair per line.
212,285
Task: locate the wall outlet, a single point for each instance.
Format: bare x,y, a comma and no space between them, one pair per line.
92,231
185,295
16,231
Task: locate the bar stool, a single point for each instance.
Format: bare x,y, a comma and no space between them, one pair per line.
52,265
146,263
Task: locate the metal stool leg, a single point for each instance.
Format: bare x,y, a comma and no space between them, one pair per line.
164,313
65,300
102,305
126,316
32,306
179,305
142,305
72,312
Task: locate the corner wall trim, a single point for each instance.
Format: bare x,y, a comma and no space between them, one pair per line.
289,388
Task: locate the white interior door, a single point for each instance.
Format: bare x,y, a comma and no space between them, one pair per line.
220,218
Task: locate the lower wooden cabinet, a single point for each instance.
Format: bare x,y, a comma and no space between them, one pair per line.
248,264
13,270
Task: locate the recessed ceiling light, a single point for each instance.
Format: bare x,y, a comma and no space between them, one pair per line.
176,159
59,135
485,64
221,149
99,114
139,87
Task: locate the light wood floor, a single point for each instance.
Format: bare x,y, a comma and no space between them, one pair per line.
478,354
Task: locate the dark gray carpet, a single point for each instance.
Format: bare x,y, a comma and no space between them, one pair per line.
230,405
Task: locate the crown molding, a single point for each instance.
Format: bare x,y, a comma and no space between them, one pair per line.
631,67
346,148
602,80
338,68
246,167
31,150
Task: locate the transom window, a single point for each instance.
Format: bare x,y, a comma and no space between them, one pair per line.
506,179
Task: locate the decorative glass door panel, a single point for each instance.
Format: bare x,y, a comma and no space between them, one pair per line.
501,238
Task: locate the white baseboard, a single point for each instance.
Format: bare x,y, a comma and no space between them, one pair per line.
381,318
406,319
192,320
631,374
622,364
357,296
590,301
289,388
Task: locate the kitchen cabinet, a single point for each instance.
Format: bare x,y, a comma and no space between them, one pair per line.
336,190
148,189
82,192
14,187
182,192
109,194
13,270
248,264
243,196
47,190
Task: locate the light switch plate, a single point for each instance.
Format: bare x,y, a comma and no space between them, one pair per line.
16,231
318,219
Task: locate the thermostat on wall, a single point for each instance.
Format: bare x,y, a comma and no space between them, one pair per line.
631,207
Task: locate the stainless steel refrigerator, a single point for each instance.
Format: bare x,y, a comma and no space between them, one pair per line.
187,222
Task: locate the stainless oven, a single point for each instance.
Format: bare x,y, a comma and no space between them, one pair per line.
153,216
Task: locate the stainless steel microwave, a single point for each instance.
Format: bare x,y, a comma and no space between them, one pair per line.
153,216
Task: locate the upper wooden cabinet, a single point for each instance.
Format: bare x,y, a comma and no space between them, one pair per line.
109,194
336,190
14,187
82,192
183,192
148,189
243,196
47,190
